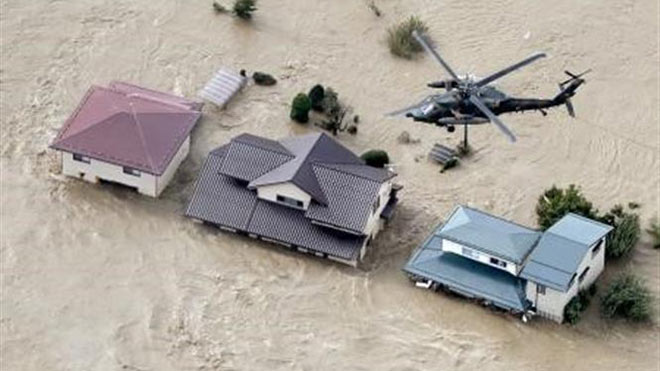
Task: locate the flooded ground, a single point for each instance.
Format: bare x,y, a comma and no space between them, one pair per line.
100,278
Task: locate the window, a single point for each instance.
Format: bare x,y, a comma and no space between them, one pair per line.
290,201
131,171
540,289
596,248
498,262
570,283
583,274
81,158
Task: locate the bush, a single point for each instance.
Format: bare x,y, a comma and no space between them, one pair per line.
316,95
265,79
627,298
376,158
330,103
555,202
400,39
244,8
219,8
623,239
580,302
654,231
300,108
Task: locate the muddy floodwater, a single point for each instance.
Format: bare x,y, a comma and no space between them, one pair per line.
101,278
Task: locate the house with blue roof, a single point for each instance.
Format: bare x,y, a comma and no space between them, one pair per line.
510,266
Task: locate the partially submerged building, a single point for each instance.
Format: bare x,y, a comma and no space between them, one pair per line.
308,193
510,266
129,135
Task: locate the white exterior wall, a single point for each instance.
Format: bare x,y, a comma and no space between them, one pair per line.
163,180
269,193
374,223
456,248
551,305
147,184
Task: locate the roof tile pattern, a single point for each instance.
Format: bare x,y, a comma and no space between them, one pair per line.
138,130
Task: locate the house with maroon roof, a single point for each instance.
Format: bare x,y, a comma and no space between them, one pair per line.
129,135
308,193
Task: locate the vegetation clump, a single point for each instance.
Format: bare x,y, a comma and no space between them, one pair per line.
625,235
261,78
573,310
316,95
300,108
219,8
243,8
400,39
627,298
376,158
654,231
555,202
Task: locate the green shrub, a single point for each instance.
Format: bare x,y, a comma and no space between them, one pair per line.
300,108
316,95
627,298
376,158
400,39
330,103
623,239
555,202
244,8
573,311
654,231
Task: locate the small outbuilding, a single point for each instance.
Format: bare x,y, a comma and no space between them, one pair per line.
129,135
510,266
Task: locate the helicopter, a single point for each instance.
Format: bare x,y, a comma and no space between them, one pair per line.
470,101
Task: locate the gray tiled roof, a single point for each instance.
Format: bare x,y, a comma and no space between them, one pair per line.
489,234
466,276
247,161
558,255
226,201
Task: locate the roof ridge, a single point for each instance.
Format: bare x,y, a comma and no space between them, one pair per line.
584,218
325,165
500,218
138,126
550,266
287,153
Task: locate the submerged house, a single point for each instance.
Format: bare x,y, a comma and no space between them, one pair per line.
308,193
511,266
129,135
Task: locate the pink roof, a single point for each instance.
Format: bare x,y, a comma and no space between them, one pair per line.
129,126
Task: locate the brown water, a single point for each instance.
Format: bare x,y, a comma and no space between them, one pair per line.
100,278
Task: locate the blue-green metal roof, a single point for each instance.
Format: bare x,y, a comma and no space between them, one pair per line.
489,234
466,276
563,246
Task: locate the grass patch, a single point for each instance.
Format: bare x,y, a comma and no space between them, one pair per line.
627,297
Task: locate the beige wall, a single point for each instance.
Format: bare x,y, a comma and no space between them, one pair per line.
456,248
147,184
374,223
269,193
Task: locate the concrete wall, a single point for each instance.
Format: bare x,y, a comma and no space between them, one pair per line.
168,174
456,248
288,189
374,223
596,264
147,184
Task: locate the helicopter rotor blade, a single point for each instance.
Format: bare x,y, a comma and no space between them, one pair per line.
508,70
429,49
492,117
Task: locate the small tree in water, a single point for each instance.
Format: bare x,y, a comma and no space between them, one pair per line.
300,108
400,39
244,8
623,239
627,298
555,202
376,158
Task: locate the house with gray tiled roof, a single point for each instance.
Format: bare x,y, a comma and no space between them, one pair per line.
307,192
510,266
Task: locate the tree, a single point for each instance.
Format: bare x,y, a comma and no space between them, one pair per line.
300,108
627,297
244,8
316,95
400,39
625,235
555,202
376,158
